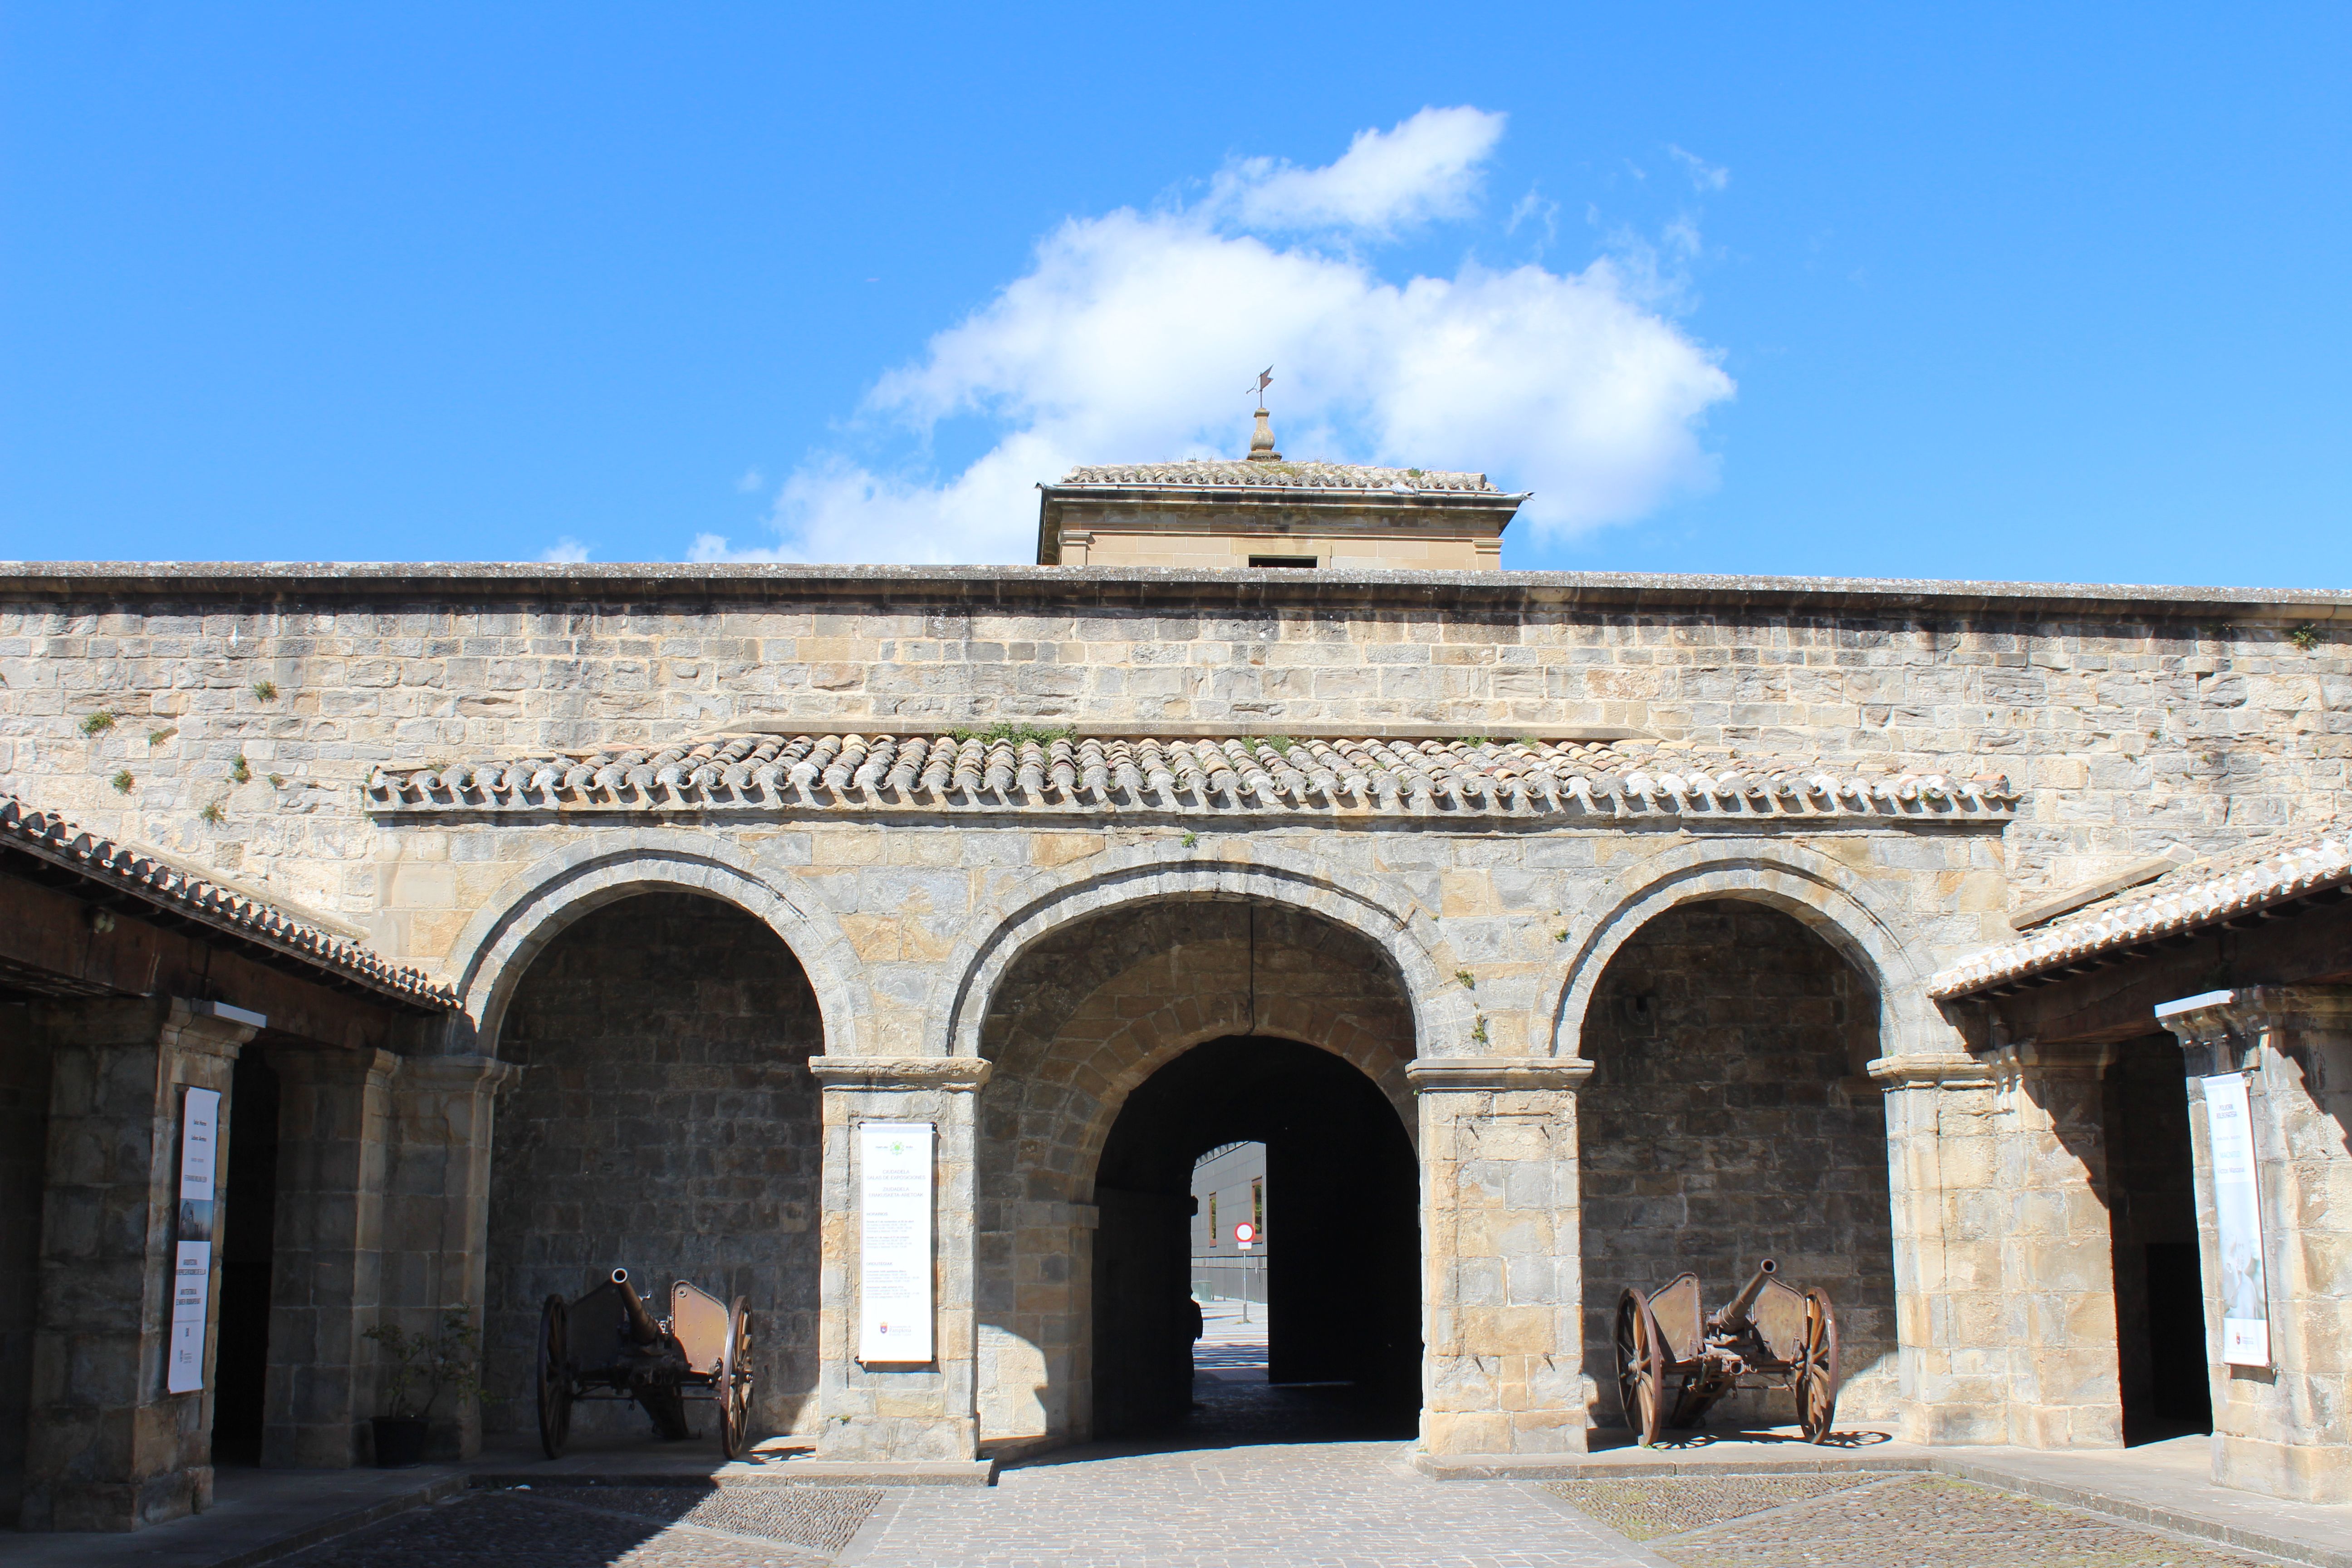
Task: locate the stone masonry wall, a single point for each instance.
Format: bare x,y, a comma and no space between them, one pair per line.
1726,1122
666,1121
2128,733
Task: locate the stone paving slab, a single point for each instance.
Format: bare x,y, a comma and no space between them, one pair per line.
518,1530
1885,1521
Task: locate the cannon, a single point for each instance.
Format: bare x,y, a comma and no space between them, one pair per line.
606,1345
1674,1360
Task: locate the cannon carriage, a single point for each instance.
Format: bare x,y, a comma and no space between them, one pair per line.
607,1346
1673,1362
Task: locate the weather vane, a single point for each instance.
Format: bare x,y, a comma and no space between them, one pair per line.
1263,378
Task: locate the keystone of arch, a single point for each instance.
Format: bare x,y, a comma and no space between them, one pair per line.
537,904
1825,895
1033,909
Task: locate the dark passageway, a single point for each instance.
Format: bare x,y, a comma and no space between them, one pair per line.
1343,1310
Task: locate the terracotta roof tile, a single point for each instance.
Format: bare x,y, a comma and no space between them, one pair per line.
1236,776
2201,893
178,894
1278,476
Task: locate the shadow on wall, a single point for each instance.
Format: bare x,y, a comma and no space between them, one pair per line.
1728,1119
666,1121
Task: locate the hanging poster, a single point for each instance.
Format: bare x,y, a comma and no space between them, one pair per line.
191,1247
894,1208
2237,1216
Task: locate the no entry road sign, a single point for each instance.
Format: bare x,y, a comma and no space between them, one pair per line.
1244,1234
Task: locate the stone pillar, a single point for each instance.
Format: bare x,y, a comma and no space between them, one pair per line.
1943,1159
1503,1298
2284,1429
892,1412
108,1448
2058,1249
437,1211
334,1119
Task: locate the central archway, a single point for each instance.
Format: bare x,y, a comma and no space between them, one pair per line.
1342,1303
1083,1021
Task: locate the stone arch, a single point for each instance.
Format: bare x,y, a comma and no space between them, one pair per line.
1820,892
993,943
499,943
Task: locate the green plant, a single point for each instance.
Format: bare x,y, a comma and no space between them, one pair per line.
239,770
214,814
266,689
419,1368
1472,740
1013,734
277,781
1469,981
2306,637
157,736
1479,1031
122,782
98,724
1191,840
1280,745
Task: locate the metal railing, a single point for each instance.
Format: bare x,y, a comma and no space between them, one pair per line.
1229,1279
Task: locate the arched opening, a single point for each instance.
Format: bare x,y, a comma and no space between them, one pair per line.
1342,1309
1095,1112
666,1121
1727,1119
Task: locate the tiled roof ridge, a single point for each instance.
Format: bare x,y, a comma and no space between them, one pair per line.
1193,471
2199,894
1235,774
60,842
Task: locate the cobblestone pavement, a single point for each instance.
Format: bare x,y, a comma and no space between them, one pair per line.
1871,1522
591,1527
1321,1505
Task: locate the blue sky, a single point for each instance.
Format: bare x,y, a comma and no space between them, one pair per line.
2019,292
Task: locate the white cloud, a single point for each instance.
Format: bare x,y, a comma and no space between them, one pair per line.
1132,335
1428,167
753,479
566,549
1703,176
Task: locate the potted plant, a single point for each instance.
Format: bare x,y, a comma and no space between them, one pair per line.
416,1370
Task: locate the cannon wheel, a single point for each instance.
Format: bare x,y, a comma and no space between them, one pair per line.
554,1366
1817,1374
1641,1366
735,1381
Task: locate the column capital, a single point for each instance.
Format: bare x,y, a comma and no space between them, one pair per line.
1470,1075
1932,1069
2221,1029
845,1072
210,1028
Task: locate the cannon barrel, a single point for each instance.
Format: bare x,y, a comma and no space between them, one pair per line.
641,1323
1733,1318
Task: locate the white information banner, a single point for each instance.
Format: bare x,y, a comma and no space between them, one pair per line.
2238,1215
894,1245
192,1247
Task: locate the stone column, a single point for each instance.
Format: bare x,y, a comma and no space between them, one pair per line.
893,1413
326,1275
2284,1429
1503,1298
1943,1166
2058,1250
437,1211
106,1447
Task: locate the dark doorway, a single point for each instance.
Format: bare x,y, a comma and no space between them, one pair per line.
1343,1302
2152,1220
248,1225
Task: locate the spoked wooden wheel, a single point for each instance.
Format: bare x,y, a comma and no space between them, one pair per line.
554,1369
1817,1374
735,1381
1641,1367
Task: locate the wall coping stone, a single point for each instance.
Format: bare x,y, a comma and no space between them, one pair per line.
1476,1074
954,1073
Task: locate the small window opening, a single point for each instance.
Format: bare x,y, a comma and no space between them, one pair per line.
1283,561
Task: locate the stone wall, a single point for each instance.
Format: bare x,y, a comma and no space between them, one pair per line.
2131,726
1725,1120
24,1144
665,1121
